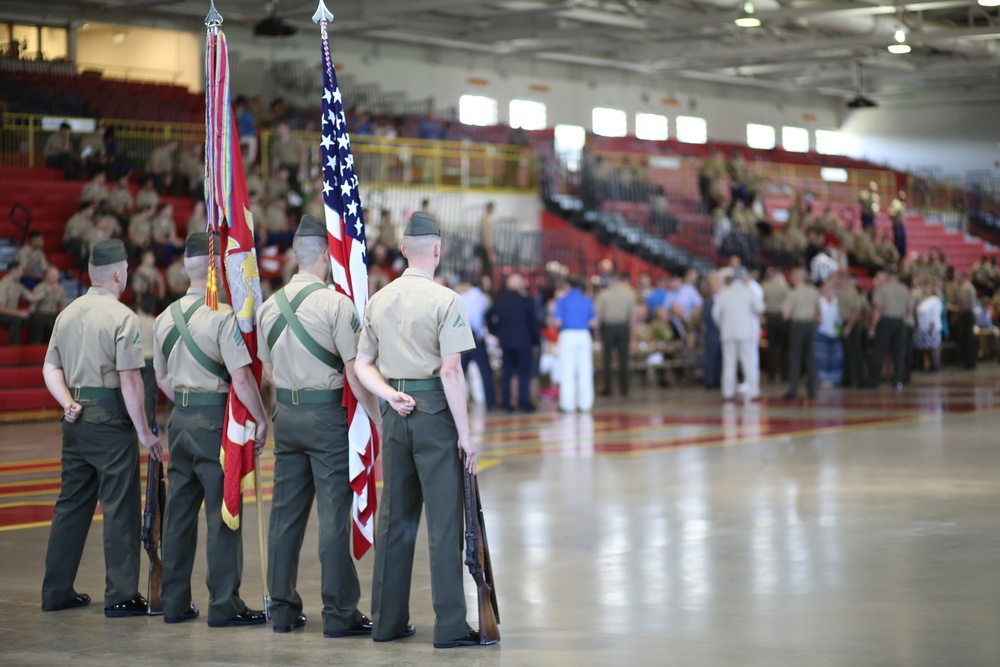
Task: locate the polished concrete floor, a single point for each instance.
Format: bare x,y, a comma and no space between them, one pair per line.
668,529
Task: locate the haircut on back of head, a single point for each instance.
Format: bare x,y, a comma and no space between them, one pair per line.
102,275
309,249
196,267
421,245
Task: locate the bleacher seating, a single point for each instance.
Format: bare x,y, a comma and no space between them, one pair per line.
92,96
21,384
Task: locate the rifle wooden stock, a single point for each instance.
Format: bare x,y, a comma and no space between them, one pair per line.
152,520
477,557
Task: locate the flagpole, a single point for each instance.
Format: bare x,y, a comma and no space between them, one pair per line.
215,219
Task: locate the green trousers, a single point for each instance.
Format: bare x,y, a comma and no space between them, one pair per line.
420,468
311,460
194,475
100,460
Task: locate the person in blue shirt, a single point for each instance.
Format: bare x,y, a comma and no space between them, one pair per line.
575,317
246,128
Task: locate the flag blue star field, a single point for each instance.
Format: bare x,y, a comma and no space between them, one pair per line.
346,231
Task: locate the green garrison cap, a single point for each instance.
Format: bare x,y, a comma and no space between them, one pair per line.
422,223
196,245
108,252
311,226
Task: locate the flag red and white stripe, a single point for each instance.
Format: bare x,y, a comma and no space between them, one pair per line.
346,228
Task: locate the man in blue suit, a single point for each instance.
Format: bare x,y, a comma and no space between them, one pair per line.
514,322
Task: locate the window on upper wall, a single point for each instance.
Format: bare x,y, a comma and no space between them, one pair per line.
477,110
610,122
692,130
795,139
527,115
829,142
651,126
569,142
760,136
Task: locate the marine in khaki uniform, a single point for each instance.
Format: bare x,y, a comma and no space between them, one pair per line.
50,298
775,291
120,200
801,311
197,352
31,257
92,369
417,330
308,341
892,303
12,291
615,307
96,189
850,303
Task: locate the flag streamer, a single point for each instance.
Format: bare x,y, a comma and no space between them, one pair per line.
346,231
228,215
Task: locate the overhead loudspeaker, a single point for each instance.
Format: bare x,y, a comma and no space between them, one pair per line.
272,26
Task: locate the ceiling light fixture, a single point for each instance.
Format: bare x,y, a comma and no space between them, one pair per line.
990,3
900,47
748,19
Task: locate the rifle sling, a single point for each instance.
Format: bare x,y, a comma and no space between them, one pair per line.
181,331
289,318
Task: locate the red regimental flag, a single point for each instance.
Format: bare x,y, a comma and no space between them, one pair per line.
228,213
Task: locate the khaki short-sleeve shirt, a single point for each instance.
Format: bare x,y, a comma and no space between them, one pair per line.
32,260
77,227
615,305
802,303
775,293
12,291
328,317
215,332
93,339
121,201
893,299
412,323
54,298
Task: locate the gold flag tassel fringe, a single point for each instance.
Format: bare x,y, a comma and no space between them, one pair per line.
212,286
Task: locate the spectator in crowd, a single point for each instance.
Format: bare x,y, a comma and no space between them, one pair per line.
387,230
31,258
574,316
196,221
104,229
661,297
12,316
983,276
77,231
139,236
710,175
736,311
166,241
277,228
802,311
191,170
96,189
93,151
514,322
829,355
178,280
147,282
60,154
246,127
485,249
288,152
775,291
963,330
279,185
711,336
50,298
687,295
897,213
477,305
615,307
852,306
870,202
891,301
147,197
255,184
162,168
120,200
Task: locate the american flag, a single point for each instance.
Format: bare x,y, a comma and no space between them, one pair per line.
346,230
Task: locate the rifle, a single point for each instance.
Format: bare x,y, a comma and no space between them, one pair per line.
477,557
152,518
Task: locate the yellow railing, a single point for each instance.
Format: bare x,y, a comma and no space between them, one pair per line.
379,162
